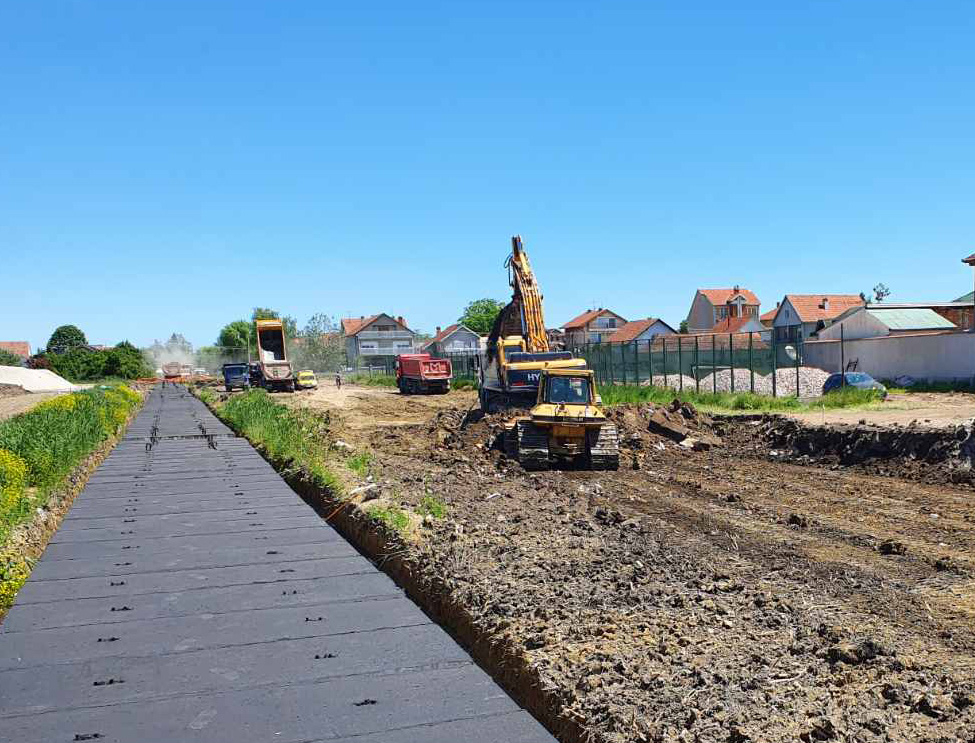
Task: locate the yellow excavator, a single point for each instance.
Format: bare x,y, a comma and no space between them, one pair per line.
566,421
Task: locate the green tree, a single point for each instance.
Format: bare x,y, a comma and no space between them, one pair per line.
8,358
234,335
480,315
683,327
125,361
66,337
319,346
266,313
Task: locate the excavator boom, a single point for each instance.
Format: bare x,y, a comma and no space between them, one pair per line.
527,295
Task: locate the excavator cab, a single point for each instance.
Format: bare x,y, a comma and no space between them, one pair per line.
567,424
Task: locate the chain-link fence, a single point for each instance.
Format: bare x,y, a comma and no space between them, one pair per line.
734,362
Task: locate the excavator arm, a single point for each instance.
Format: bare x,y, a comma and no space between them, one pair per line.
527,297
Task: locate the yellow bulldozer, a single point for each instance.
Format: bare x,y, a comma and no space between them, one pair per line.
567,425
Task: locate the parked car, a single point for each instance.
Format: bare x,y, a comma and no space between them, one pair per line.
200,371
857,380
305,379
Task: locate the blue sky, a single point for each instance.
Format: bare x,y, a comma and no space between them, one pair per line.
167,166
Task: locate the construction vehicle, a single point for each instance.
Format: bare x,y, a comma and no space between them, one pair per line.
276,372
171,370
306,380
235,375
567,425
420,372
517,353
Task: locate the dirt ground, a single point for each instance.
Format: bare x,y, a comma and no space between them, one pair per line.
13,400
714,595
935,409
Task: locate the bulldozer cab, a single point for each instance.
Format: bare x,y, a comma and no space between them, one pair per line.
566,389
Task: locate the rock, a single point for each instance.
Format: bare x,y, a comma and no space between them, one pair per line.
342,445
660,423
733,498
892,547
799,520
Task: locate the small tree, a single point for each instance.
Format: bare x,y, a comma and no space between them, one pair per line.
683,327
319,346
8,358
480,315
65,338
881,292
236,335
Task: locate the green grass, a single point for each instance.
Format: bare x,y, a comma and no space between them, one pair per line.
375,380
463,384
39,449
293,438
360,463
433,506
733,401
393,517
928,387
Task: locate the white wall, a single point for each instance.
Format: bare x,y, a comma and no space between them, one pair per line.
658,328
860,324
924,356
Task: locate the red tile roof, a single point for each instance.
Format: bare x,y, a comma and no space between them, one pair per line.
768,317
810,307
443,334
730,325
582,320
722,296
352,325
634,328
21,348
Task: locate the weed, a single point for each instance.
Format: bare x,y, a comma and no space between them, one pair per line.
733,401
207,395
463,384
433,506
360,463
373,380
393,517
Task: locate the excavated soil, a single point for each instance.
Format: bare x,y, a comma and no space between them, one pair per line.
696,595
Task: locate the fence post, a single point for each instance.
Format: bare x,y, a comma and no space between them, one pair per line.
751,363
665,360
612,367
842,358
622,359
731,355
650,354
697,364
774,364
680,365
798,342
714,364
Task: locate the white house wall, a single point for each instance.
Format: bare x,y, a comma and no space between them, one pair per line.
860,324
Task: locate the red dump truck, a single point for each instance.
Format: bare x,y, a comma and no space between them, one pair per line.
420,372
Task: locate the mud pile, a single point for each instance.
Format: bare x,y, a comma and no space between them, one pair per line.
935,454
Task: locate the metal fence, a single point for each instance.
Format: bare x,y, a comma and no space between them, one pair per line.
464,366
742,362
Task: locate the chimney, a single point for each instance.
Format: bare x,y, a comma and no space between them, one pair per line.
438,330
737,288
362,317
400,320
825,303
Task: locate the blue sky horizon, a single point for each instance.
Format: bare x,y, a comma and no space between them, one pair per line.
167,167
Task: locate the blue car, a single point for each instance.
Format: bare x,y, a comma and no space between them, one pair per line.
859,380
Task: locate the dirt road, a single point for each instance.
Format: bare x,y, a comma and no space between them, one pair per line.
695,596
933,409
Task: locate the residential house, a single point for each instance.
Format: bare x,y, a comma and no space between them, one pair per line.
641,330
768,318
711,306
592,326
18,348
800,316
877,321
734,325
374,338
556,338
454,338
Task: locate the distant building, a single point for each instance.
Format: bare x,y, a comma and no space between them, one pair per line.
592,326
18,348
556,339
454,338
712,306
800,316
877,321
641,330
375,338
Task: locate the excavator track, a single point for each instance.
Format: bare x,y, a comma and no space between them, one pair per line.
532,443
604,448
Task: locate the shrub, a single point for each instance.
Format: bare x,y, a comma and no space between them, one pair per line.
9,359
14,570
433,506
13,481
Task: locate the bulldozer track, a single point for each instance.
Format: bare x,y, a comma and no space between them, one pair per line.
604,451
532,443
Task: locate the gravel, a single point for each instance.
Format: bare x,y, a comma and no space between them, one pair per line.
35,380
811,382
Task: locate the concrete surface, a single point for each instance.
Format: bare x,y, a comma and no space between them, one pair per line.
190,595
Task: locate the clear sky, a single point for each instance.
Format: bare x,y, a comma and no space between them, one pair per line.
166,166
